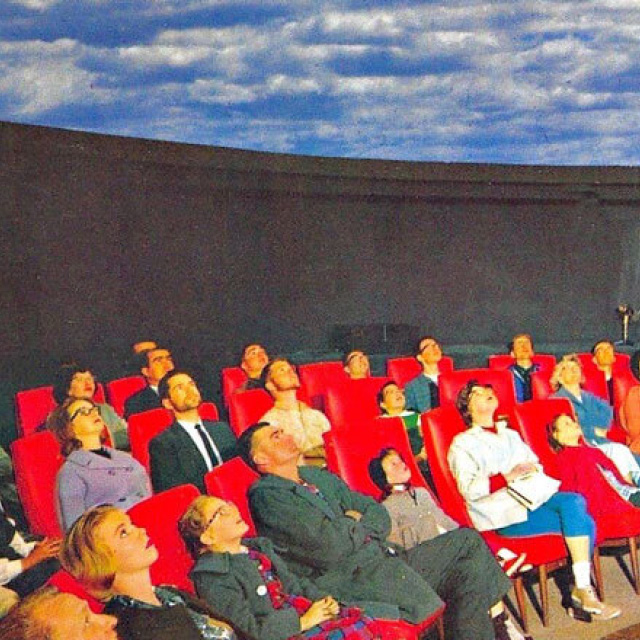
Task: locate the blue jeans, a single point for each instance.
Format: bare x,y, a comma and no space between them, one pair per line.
564,513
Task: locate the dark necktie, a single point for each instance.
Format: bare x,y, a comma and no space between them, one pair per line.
213,456
434,393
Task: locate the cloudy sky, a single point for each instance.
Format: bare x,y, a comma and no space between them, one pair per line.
550,81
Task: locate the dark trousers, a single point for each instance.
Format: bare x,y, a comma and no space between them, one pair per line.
461,569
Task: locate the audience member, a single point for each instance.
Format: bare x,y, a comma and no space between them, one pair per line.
489,457
77,381
50,615
253,362
152,364
111,558
422,392
594,415
337,538
306,424
250,584
630,409
521,349
604,356
356,365
586,470
24,566
92,473
190,447
143,345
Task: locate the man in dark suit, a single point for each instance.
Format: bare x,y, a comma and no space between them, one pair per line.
190,447
153,364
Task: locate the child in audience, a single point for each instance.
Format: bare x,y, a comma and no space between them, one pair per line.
252,586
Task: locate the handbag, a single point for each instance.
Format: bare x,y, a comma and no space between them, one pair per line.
533,489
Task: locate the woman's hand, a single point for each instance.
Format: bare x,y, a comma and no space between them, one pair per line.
320,611
519,470
48,548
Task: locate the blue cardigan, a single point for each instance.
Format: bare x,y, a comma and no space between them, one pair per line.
592,413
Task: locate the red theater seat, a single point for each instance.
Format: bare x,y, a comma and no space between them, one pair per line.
317,377
159,515
449,385
402,370
232,379
545,552
120,390
500,362
247,408
37,460
34,405
353,402
231,481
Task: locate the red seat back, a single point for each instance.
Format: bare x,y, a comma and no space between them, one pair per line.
354,448
66,583
247,408
439,428
402,370
34,405
231,481
317,377
120,390
450,384
540,386
594,379
531,419
500,362
37,460
145,426
353,402
159,515
232,378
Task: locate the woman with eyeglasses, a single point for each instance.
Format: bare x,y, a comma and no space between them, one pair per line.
92,474
250,584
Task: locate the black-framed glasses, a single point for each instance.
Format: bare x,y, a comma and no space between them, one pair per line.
85,411
223,510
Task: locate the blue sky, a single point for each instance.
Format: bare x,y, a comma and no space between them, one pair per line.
544,82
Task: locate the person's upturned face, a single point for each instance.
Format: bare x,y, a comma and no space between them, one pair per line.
254,359
430,351
482,401
272,446
82,385
283,376
604,354
184,394
567,431
70,618
225,523
395,469
571,373
159,362
393,399
357,365
85,418
130,545
522,348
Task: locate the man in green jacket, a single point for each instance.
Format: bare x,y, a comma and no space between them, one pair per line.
337,538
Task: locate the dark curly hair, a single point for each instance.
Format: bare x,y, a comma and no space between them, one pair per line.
462,401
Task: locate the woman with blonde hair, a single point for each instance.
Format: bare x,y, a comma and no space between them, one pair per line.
594,415
111,557
251,584
92,473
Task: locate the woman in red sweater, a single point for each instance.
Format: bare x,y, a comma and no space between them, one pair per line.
586,470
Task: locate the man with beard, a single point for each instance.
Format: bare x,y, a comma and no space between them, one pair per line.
253,362
305,424
190,447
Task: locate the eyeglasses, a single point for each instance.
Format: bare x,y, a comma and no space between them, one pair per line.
227,509
428,345
85,411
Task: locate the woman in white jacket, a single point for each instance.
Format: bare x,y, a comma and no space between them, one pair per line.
489,457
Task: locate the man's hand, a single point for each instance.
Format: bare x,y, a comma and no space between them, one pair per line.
352,513
320,611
